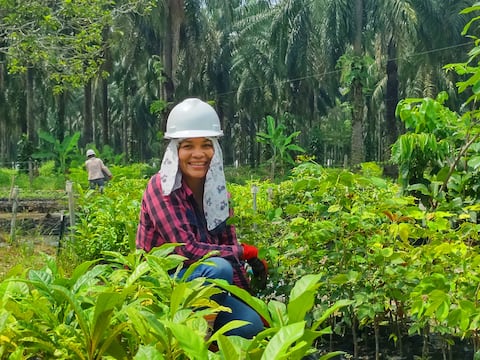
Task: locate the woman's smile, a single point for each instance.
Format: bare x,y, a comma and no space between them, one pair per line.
194,156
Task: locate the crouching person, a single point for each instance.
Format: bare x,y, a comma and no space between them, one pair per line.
187,202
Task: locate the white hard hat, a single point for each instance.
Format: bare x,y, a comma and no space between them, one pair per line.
90,152
193,118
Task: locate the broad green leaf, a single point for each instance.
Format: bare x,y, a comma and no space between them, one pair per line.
278,311
148,352
105,304
256,304
228,348
404,231
80,313
302,297
179,293
334,208
306,283
442,311
231,325
191,343
331,355
164,250
332,309
139,271
474,162
419,187
277,347
112,344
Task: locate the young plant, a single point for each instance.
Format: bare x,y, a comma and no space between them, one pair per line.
290,335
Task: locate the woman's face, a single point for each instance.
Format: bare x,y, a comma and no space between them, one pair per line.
194,156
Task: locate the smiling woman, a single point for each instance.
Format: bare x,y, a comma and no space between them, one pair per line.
187,203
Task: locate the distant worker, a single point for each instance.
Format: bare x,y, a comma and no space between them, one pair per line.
98,172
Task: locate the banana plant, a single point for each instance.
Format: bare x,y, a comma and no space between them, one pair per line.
280,144
59,151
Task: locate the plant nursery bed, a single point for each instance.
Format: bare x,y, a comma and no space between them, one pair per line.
32,205
412,348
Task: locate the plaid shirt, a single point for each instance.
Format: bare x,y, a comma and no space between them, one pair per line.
176,218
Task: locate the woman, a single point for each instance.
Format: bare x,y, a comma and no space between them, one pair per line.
187,202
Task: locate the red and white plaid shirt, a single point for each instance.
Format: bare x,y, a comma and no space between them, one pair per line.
175,218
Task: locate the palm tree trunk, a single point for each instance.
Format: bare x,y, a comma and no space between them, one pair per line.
107,67
88,114
391,98
31,133
60,123
125,127
357,150
174,21
224,113
105,114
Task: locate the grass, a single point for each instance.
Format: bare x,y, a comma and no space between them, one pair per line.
28,252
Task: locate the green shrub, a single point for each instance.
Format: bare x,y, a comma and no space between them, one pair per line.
107,221
47,169
129,307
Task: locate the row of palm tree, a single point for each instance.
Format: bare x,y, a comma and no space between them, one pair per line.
332,69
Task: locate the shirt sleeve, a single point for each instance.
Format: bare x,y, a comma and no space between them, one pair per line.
105,169
172,219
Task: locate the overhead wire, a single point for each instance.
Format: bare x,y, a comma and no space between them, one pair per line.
329,73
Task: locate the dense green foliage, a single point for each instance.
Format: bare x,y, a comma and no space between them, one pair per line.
403,270
129,307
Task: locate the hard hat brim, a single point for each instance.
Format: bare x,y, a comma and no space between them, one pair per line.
186,134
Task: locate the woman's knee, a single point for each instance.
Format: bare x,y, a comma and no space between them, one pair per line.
219,268
239,311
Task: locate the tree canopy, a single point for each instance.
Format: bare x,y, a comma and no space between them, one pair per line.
112,70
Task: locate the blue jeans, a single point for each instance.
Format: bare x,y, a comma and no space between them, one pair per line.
240,311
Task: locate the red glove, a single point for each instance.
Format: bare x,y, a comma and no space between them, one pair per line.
249,252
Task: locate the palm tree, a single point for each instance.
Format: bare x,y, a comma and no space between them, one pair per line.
419,31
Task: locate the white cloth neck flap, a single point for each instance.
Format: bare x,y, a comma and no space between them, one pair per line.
215,196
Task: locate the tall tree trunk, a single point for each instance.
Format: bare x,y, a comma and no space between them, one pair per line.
391,98
174,21
125,135
224,113
60,123
357,150
31,133
87,114
248,141
107,66
105,114
4,137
